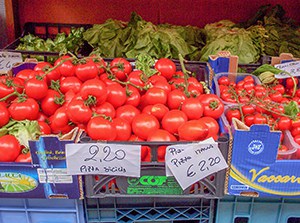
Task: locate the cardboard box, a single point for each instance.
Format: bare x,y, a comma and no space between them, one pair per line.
46,176
254,169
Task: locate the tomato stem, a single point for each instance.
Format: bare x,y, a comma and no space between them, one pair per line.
186,75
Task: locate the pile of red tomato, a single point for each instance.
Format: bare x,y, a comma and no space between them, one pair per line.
111,101
254,103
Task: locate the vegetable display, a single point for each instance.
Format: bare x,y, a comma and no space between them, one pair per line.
109,100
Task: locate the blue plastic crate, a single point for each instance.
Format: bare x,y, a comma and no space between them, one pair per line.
149,210
254,210
41,211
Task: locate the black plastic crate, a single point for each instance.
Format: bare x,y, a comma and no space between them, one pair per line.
172,210
44,31
100,186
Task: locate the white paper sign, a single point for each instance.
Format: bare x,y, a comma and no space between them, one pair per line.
195,162
8,59
291,67
103,158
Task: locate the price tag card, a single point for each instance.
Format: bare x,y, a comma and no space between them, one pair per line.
292,67
8,59
101,158
195,162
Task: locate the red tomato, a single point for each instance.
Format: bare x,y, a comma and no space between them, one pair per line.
177,83
133,96
24,109
24,158
248,109
135,77
193,130
165,67
158,110
69,95
65,66
47,68
50,102
249,79
135,138
223,81
249,120
276,96
290,83
78,112
284,123
161,135
105,109
42,66
297,139
279,87
193,82
192,108
175,99
94,92
172,120
36,88
116,95
42,117
240,84
260,119
143,125
9,148
59,119
123,129
249,87
100,63
26,74
70,83
4,115
161,152
233,113
212,125
99,128
154,79
145,154
164,85
155,96
7,85
213,107
44,128
295,131
127,112
120,67
86,70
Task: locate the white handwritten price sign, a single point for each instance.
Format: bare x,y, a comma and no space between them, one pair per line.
8,59
195,162
293,68
101,158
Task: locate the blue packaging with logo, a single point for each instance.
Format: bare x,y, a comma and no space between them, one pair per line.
46,177
254,169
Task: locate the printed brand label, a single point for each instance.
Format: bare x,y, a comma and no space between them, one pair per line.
255,147
58,176
16,183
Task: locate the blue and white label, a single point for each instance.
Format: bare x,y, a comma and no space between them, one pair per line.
255,147
239,187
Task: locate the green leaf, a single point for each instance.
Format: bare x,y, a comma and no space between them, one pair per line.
291,109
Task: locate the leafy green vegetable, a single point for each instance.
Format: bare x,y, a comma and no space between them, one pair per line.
61,43
291,109
266,67
22,130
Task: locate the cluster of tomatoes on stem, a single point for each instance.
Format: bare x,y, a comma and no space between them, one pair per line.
111,100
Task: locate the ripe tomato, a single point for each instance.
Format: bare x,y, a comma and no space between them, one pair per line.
52,75
249,120
105,108
295,131
193,130
223,81
165,67
248,79
66,68
50,102
44,128
145,154
212,125
42,66
8,86
123,129
86,70
164,85
155,96
297,139
116,95
177,83
143,125
284,123
161,152
158,110
78,112
21,109
127,112
4,115
290,83
26,74
94,92
260,119
248,109
133,96
9,148
161,135
172,120
193,108
240,84
212,105
59,119
36,88
24,158
279,87
276,96
233,113
120,67
135,138
135,77
100,63
193,82
175,99
249,87
99,128
70,83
